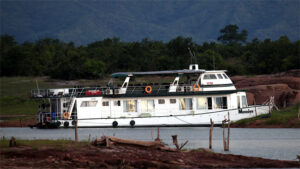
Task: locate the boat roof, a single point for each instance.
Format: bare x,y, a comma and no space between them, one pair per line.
165,72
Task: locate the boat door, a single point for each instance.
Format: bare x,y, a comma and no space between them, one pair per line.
209,103
106,108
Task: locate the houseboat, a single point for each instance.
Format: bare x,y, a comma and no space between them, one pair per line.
191,98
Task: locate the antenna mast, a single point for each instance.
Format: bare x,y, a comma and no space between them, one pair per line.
192,56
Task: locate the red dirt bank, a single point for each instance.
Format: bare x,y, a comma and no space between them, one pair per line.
128,157
285,87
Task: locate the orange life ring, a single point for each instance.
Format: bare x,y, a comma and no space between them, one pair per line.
148,89
66,115
196,87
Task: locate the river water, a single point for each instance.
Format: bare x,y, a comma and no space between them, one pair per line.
283,144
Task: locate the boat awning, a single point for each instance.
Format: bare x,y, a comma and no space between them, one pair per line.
166,72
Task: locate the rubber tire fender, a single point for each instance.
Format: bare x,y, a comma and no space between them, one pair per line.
66,124
132,123
115,124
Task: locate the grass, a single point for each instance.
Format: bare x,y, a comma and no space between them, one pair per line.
281,117
15,94
61,144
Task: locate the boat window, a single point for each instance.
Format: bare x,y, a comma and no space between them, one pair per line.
221,102
147,106
186,104
244,101
88,103
105,103
220,76
172,101
209,103
226,77
201,103
117,103
206,77
129,106
161,101
210,76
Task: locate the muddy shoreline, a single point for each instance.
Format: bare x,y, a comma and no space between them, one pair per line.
125,156
18,123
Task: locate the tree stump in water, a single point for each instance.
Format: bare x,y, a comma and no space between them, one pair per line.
12,142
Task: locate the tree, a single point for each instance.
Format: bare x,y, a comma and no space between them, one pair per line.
210,60
230,35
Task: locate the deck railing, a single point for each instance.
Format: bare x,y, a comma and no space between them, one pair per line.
92,91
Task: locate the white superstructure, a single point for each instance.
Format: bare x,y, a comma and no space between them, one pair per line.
193,98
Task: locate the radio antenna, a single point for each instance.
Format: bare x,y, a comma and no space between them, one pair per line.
192,55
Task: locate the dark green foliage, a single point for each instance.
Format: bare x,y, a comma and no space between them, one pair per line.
230,35
51,57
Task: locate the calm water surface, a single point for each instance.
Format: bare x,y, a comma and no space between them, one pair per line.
281,144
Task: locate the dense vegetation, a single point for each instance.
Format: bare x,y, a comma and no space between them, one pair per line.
52,57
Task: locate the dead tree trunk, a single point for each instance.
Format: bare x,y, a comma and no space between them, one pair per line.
226,143
228,132
224,140
158,135
12,142
210,133
175,142
135,142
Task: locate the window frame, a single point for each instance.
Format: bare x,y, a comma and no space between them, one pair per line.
127,105
186,107
90,103
105,103
173,101
161,101
117,103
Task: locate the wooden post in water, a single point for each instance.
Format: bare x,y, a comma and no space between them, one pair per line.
76,134
228,132
210,133
175,142
157,138
224,141
89,138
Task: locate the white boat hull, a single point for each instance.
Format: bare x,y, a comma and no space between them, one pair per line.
202,119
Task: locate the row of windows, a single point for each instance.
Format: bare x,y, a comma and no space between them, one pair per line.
184,103
214,76
118,103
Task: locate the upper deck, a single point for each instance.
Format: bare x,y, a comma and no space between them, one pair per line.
197,81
